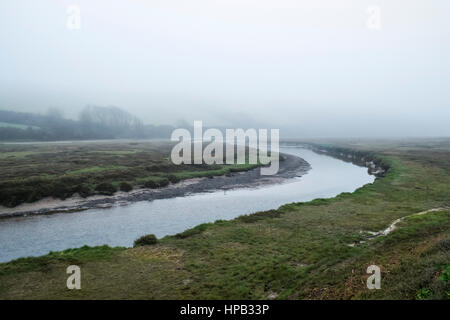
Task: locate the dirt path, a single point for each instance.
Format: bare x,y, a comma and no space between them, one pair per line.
393,226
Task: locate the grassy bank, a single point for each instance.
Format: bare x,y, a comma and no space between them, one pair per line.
299,251
31,172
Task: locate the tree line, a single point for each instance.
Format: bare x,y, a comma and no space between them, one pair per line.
94,122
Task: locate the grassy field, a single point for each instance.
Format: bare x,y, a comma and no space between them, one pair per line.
299,251
30,172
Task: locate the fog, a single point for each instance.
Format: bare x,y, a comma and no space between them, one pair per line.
319,68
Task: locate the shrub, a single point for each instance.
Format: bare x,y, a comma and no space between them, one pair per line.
173,178
423,294
61,190
106,188
445,276
33,196
150,184
126,187
84,190
163,182
146,240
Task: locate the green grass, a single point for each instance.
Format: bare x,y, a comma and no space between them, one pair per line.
299,251
19,154
117,152
72,256
95,169
218,172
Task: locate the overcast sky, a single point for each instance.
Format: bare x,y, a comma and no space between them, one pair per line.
310,68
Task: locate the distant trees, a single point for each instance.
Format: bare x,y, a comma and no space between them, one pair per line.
110,122
94,122
36,127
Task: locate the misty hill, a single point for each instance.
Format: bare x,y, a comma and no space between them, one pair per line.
94,122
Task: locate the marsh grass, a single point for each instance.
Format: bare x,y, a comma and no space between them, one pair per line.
32,172
299,251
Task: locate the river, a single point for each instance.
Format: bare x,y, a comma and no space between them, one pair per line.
121,225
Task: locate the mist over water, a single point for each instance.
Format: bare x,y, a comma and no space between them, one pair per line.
310,68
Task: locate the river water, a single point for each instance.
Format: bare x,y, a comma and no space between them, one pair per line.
121,225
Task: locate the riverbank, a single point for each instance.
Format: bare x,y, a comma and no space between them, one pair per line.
299,251
290,167
32,172
122,225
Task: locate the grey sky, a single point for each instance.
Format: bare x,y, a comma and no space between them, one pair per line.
311,68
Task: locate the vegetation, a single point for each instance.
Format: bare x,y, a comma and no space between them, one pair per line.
299,251
78,256
93,123
146,240
31,172
125,187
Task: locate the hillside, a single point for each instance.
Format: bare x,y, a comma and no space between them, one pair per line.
93,123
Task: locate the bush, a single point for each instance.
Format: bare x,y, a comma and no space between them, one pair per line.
61,190
152,184
84,190
445,276
106,188
173,178
146,240
423,294
126,187
34,196
163,182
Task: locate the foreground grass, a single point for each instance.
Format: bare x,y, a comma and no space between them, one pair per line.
300,251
